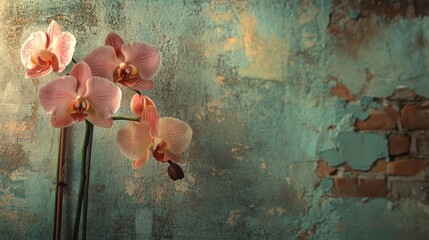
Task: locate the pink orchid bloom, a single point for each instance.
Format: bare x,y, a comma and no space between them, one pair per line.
132,64
43,52
143,107
78,96
165,137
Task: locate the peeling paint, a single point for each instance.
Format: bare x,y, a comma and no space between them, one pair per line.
361,150
269,88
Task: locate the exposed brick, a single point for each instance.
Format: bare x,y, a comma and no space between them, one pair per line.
347,168
341,91
406,167
422,145
324,170
345,187
403,94
415,117
372,186
379,119
410,188
399,144
379,166
334,30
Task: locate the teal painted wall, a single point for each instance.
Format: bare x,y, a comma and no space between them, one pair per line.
254,80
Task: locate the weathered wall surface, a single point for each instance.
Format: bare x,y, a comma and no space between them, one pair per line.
297,131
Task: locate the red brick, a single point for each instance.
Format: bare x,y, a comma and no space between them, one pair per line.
372,187
403,94
406,167
379,166
399,144
345,187
341,91
324,170
414,117
384,119
347,168
422,145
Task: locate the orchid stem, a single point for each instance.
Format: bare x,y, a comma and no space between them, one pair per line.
88,132
86,189
126,119
59,187
137,91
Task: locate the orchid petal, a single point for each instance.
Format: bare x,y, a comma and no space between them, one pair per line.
150,114
103,97
54,31
82,73
38,71
114,40
56,96
36,41
63,47
103,62
173,157
55,64
139,103
142,159
175,132
144,57
134,139
104,123
62,122
137,83
141,84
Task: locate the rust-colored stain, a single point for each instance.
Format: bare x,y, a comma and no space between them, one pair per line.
12,157
341,91
354,23
307,233
266,53
351,35
232,44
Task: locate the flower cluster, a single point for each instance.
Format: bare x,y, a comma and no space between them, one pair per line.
90,92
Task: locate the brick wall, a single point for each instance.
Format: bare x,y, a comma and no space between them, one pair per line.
404,120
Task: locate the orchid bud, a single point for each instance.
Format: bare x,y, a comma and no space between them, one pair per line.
175,172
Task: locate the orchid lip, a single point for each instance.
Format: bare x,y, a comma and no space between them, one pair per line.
78,116
78,108
41,57
126,72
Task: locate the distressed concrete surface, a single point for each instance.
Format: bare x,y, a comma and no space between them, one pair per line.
253,79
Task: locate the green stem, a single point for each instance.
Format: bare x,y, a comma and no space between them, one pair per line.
88,129
86,188
56,233
137,91
126,118
54,230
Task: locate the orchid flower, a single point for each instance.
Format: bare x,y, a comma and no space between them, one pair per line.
131,64
78,96
43,52
165,137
